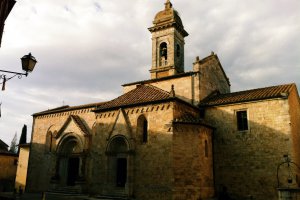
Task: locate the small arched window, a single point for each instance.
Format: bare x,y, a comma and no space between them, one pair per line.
142,128
145,131
163,53
178,50
48,142
206,148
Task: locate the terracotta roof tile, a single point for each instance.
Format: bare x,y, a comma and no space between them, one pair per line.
248,95
188,118
141,94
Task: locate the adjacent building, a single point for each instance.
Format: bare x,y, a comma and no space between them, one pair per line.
8,166
5,8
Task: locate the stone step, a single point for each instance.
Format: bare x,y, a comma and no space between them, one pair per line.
106,197
65,190
64,196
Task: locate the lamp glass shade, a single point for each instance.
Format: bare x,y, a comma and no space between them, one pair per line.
28,62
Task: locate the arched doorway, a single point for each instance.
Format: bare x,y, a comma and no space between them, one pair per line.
69,161
118,165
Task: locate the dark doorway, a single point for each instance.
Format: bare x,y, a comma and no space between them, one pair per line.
73,169
121,172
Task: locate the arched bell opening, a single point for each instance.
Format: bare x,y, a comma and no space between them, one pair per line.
163,54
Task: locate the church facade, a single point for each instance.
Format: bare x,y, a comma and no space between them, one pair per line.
179,135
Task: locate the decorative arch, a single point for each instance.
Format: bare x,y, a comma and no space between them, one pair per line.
119,164
68,137
51,128
70,144
70,160
118,144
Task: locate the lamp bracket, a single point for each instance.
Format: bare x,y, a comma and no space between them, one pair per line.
11,72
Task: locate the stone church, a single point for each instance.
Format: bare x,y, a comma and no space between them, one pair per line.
179,135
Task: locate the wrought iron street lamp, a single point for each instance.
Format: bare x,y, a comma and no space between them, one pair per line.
28,64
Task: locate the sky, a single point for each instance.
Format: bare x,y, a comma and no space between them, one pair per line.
87,49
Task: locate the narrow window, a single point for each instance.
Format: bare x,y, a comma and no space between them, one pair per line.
178,50
202,113
145,131
48,143
206,149
242,121
142,128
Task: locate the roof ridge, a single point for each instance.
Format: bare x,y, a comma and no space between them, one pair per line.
68,108
269,92
157,88
267,87
138,87
3,143
143,93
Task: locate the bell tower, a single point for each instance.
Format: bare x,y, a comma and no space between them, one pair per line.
167,43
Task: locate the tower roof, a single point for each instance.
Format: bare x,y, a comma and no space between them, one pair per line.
167,18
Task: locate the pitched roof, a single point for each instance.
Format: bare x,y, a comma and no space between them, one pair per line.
4,149
215,57
67,108
140,95
248,95
188,118
8,153
3,145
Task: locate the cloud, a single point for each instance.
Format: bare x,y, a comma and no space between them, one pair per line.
87,49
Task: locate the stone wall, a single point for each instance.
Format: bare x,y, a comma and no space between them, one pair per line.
193,167
211,78
22,168
150,167
246,161
294,111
